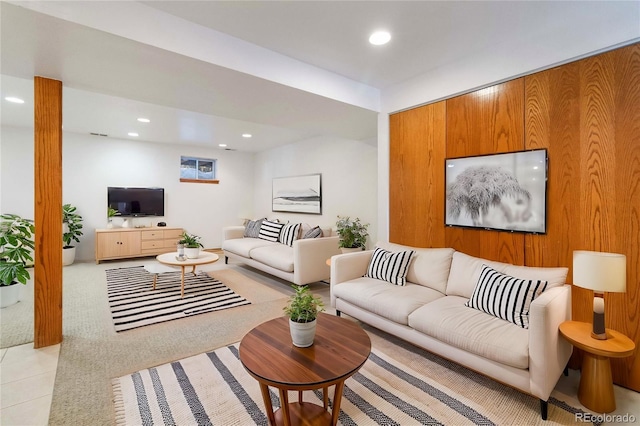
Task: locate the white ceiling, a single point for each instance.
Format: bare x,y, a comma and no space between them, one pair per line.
111,79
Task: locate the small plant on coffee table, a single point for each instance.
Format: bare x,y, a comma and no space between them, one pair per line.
190,240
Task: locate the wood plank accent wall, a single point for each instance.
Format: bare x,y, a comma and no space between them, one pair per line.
488,121
587,115
417,150
48,212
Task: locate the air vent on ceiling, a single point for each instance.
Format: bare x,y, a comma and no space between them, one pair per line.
230,149
98,134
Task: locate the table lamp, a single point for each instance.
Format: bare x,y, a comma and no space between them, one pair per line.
599,272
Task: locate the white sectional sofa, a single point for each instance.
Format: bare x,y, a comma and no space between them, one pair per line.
429,311
303,263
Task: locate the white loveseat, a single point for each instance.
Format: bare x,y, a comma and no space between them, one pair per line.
303,263
429,311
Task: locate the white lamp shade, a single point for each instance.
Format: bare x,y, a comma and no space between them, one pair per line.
599,271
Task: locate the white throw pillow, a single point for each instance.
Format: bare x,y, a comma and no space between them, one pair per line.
504,296
391,267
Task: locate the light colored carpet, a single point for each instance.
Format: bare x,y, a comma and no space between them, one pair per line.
214,388
92,353
16,321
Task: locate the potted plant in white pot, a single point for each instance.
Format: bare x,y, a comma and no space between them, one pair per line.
303,309
111,213
71,231
191,245
353,234
16,248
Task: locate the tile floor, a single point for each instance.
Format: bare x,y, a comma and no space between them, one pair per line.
27,376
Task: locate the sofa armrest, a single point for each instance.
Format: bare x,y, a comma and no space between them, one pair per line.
348,266
310,258
548,351
232,232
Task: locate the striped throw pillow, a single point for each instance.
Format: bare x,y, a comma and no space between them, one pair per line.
270,231
391,267
504,296
289,233
315,232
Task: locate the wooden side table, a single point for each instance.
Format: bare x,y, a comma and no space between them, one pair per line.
596,384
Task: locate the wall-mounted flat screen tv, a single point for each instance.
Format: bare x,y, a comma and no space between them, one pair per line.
136,201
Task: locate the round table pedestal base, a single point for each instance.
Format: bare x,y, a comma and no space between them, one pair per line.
304,414
596,384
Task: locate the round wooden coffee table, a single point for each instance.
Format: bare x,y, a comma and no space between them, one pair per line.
340,348
171,259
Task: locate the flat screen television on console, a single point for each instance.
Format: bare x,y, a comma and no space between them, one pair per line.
136,201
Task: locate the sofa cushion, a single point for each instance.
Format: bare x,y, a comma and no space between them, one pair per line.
252,230
270,231
504,296
314,232
279,256
289,233
450,321
429,267
388,266
465,271
243,246
388,301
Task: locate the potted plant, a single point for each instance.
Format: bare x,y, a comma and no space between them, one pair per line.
191,245
71,231
353,234
16,248
111,212
302,310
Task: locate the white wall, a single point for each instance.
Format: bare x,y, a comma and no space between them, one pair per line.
349,180
91,164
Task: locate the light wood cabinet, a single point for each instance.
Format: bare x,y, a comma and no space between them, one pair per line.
121,243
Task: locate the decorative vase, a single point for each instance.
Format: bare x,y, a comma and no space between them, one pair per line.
110,224
9,294
192,252
302,333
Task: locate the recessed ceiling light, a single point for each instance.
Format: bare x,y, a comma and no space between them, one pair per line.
14,100
246,135
144,120
380,37
222,145
133,134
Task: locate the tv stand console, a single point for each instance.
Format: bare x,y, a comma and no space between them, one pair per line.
122,243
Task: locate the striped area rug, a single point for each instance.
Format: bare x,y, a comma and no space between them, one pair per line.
134,303
214,389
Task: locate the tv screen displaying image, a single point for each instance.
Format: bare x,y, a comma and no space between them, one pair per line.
136,201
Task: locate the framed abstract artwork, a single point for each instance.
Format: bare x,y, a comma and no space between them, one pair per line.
506,192
297,194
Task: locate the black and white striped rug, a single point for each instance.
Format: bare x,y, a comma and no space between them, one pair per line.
215,389
134,303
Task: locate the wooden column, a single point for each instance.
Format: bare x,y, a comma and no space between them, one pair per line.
48,212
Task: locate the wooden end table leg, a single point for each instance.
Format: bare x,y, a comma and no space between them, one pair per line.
266,398
182,284
284,406
155,277
325,398
596,384
300,397
193,271
337,399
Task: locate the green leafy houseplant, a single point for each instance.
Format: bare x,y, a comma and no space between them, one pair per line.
16,246
190,240
353,233
303,306
73,223
111,212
